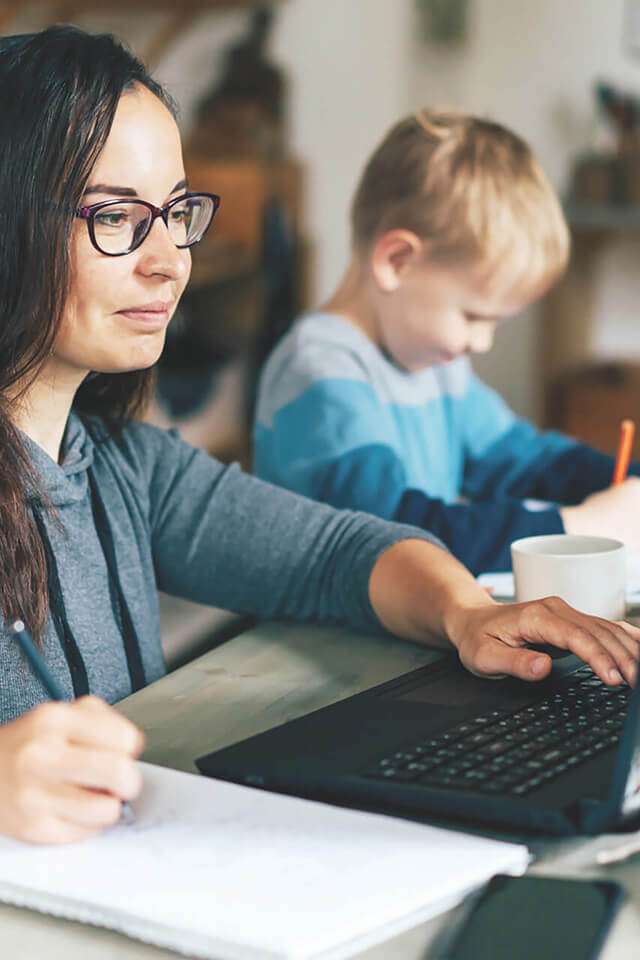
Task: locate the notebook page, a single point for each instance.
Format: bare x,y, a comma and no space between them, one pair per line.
221,870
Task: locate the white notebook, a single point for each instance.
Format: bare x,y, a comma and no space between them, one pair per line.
212,869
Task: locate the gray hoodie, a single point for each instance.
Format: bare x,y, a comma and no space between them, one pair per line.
181,522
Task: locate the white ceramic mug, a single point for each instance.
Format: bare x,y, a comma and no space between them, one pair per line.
588,572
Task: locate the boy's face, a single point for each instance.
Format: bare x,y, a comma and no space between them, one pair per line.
438,313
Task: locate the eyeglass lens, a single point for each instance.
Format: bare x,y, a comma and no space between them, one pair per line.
123,226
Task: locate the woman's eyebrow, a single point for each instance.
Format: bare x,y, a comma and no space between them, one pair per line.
125,191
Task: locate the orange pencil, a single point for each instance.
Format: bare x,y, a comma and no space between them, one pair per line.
623,456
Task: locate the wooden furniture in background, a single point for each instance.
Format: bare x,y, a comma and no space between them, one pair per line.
180,15
590,403
585,394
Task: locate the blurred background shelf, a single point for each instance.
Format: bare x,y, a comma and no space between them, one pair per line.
589,354
180,15
596,216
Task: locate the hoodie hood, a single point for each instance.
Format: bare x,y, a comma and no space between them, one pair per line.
65,483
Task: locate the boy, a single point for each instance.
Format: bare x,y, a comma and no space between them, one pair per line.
371,402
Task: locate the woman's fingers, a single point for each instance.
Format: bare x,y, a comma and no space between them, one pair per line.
103,770
629,635
492,659
599,646
88,721
87,809
70,814
493,645
99,726
609,649
52,830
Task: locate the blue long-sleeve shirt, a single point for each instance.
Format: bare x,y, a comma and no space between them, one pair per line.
338,421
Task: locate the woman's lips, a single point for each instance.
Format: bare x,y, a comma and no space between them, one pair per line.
151,316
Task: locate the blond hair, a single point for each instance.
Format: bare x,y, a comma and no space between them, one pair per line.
469,187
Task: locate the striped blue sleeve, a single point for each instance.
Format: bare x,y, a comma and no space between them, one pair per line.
478,534
333,442
506,456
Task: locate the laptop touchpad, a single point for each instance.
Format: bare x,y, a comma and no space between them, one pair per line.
457,688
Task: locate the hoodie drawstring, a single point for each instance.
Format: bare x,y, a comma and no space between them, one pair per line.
70,648
119,604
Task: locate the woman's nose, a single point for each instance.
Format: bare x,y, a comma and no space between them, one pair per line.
159,254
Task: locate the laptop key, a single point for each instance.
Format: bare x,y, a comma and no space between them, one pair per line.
464,763
476,776
421,767
462,729
401,775
550,755
496,747
383,773
534,765
494,786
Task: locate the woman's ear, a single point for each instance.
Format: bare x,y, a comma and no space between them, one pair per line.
394,253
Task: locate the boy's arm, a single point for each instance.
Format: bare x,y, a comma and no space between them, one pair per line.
574,474
479,534
335,443
506,456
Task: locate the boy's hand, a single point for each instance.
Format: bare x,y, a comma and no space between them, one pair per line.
491,640
614,512
64,770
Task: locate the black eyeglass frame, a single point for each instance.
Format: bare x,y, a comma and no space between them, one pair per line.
87,213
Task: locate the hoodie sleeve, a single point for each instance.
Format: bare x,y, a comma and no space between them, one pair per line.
227,539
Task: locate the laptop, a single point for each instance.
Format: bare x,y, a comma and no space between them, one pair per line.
561,756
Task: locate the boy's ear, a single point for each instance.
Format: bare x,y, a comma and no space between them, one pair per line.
393,254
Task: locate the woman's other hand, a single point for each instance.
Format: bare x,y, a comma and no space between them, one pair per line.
65,769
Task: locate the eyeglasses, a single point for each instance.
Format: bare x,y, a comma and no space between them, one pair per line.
118,227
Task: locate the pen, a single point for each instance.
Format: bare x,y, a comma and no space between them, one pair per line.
51,685
623,455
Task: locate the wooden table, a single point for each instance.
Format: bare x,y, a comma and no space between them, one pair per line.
261,678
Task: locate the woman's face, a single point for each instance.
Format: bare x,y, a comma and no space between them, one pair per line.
118,310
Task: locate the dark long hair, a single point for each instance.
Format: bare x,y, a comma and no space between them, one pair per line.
59,90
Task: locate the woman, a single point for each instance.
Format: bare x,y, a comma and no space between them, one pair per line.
98,511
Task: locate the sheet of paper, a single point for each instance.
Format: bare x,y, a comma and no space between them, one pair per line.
222,870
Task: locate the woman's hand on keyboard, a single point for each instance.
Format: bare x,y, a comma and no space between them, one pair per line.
492,640
422,593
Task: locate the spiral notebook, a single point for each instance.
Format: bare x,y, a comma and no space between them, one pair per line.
216,870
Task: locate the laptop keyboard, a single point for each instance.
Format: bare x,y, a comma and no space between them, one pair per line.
515,753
